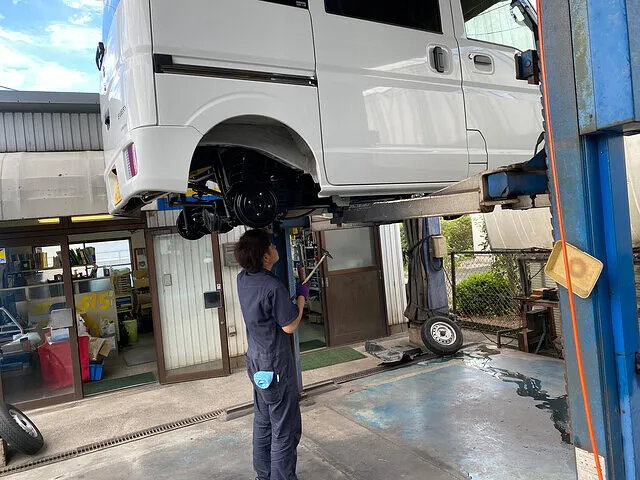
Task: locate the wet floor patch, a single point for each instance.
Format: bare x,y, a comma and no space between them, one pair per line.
526,386
479,411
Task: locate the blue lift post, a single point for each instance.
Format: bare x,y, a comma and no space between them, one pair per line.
438,302
592,58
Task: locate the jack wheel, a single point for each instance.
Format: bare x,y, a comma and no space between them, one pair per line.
441,335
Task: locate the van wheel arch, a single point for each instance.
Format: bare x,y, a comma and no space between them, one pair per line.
267,136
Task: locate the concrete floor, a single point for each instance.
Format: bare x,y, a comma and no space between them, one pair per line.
109,415
482,415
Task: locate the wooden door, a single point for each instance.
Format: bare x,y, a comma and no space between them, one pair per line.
354,293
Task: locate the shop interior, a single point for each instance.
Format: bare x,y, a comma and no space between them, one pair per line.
304,249
113,307
114,300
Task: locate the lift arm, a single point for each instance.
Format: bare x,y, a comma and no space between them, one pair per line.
519,186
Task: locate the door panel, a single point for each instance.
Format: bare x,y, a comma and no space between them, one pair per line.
353,287
506,111
355,307
191,332
388,114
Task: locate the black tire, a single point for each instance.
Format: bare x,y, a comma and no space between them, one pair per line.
18,431
441,335
193,232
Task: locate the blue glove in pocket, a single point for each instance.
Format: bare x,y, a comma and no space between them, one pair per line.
263,379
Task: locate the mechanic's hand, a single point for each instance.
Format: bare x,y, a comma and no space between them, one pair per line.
302,290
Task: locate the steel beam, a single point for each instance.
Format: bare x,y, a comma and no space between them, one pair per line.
513,186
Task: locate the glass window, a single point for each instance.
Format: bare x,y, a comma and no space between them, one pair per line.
418,14
110,253
493,21
350,248
35,351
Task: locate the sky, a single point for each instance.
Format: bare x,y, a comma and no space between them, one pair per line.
49,45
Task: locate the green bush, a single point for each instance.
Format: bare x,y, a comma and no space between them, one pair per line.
487,294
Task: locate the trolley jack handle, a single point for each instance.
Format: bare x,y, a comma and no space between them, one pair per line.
325,254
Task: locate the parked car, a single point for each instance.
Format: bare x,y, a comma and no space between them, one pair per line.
246,110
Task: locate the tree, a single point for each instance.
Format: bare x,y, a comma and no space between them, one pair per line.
459,234
405,250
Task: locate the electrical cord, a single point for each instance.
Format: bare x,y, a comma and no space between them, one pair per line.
563,240
411,260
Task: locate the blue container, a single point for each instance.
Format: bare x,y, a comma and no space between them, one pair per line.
95,371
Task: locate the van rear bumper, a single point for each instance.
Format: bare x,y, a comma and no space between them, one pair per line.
163,155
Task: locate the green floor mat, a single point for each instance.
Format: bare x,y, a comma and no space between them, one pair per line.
91,388
332,356
312,345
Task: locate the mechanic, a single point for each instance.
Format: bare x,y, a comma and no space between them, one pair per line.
270,317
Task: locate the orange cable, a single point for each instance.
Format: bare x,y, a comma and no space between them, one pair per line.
563,240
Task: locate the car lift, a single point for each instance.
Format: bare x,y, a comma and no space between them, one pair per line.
593,87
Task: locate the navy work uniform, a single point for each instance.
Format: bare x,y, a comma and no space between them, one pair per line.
277,425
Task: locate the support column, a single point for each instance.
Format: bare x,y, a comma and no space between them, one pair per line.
593,190
436,281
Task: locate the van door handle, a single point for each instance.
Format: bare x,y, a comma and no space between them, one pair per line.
439,60
484,60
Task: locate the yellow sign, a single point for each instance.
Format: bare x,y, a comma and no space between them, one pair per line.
585,269
94,301
3,255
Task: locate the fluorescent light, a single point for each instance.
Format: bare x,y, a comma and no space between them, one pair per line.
91,218
48,221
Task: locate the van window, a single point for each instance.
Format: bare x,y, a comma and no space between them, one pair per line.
492,21
417,14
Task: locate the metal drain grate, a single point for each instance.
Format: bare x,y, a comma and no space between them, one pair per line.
112,442
167,427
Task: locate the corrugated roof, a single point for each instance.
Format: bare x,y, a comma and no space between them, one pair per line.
68,102
49,122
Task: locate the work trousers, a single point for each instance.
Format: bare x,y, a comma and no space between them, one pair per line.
277,428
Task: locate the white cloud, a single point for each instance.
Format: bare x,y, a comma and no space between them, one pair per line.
83,4
15,2
73,37
47,76
23,71
78,19
14,36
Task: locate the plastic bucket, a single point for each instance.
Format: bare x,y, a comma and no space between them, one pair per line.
96,371
131,326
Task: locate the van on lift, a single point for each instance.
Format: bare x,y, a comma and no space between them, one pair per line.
264,107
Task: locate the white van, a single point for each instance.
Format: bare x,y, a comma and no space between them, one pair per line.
282,105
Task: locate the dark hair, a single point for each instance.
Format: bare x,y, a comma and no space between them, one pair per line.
251,248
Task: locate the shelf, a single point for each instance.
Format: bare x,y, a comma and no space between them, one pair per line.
37,270
38,285
48,269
